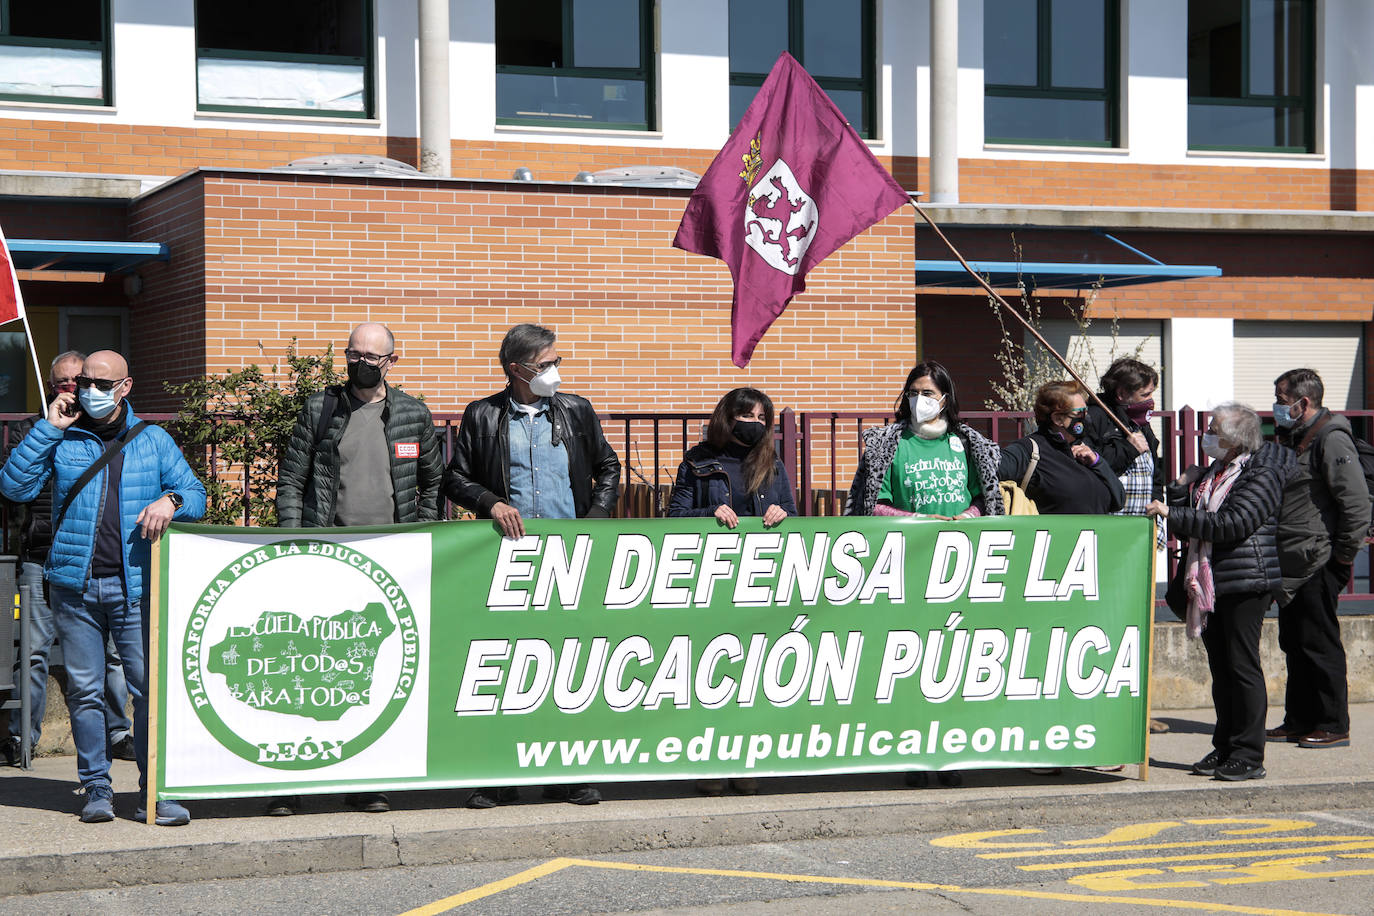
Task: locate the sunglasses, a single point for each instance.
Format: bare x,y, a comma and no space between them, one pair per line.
102,384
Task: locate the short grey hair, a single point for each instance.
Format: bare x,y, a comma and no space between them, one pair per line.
61,358
1238,425
523,343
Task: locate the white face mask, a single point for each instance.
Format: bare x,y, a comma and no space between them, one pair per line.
96,403
923,408
545,383
1211,447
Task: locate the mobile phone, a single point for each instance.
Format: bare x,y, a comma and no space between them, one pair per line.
69,409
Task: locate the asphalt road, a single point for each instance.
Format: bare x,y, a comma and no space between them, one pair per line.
1313,862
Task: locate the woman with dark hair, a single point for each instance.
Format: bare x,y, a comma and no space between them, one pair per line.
1228,513
1060,471
926,464
736,471
1127,388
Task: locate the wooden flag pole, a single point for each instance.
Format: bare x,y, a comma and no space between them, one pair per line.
1018,316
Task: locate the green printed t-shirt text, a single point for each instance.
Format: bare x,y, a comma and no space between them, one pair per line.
930,476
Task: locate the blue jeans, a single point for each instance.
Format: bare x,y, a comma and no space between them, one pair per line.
86,621
41,633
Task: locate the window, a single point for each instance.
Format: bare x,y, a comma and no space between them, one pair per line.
832,39
55,52
1251,75
285,57
1050,72
575,63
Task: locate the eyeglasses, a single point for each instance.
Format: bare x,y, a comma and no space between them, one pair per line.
371,359
929,392
540,368
103,384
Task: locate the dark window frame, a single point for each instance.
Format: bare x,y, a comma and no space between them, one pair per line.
1044,89
867,84
106,99
367,61
645,73
1306,101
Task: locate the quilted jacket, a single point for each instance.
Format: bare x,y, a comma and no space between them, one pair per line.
153,465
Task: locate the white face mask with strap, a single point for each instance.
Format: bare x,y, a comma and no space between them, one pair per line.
923,407
546,383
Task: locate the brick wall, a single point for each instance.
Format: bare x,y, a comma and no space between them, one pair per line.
138,149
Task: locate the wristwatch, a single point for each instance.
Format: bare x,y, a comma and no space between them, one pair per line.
175,497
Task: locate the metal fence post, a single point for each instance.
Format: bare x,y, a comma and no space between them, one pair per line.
788,422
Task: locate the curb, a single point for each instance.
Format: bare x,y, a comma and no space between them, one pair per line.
309,855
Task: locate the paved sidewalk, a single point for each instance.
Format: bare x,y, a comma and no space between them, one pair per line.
44,847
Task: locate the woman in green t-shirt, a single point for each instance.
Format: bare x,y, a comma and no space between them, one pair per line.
926,464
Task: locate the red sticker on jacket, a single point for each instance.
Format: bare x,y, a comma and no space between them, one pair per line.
407,450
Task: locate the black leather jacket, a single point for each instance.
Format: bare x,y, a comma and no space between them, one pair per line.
35,537
478,474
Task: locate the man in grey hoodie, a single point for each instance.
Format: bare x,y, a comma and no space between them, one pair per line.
1323,523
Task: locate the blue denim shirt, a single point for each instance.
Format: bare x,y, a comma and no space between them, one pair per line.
539,482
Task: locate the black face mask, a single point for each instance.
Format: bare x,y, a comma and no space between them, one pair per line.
364,375
747,431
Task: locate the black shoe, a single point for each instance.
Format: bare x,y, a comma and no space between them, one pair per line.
12,751
284,806
481,798
582,794
371,802
123,749
1207,766
1239,770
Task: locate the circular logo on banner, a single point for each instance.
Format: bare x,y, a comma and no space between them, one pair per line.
299,665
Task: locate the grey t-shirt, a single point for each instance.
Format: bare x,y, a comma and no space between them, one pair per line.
366,496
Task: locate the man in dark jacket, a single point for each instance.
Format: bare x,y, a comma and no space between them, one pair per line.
1322,527
532,451
35,536
360,454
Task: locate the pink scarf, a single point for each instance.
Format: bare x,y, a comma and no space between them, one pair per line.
1210,494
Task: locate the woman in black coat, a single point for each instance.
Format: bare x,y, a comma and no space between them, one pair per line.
1228,513
736,471
1063,474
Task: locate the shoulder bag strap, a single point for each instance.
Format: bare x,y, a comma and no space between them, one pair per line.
1030,468
96,467
331,404
1311,434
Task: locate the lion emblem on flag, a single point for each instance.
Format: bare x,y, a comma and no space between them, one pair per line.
781,218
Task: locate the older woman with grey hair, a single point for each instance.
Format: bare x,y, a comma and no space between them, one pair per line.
1228,514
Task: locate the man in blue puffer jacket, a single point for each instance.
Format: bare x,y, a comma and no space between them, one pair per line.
98,561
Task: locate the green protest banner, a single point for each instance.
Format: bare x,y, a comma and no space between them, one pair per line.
442,655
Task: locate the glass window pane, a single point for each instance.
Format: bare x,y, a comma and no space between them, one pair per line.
14,372
1046,120
570,100
1214,49
74,20
758,34
606,33
1078,54
68,73
280,84
1262,126
1277,42
740,97
832,38
1009,42
529,34
851,103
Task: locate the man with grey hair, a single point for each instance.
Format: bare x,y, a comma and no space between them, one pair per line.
532,451
1322,527
35,536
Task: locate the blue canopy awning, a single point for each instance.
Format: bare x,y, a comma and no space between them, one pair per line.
1055,274
86,257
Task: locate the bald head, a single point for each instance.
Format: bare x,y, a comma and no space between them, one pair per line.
109,366
372,338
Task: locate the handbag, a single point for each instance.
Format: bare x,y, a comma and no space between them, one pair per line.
1014,496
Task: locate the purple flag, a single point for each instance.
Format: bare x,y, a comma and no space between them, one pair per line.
792,184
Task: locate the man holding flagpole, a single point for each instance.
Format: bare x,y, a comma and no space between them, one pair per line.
793,184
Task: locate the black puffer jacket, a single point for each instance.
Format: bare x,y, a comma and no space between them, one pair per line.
703,485
308,473
35,537
478,475
1244,531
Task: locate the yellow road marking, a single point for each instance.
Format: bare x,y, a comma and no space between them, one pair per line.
1154,860
1128,833
1181,844
979,839
486,890
1267,824
556,865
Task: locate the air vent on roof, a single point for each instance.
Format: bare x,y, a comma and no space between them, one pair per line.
354,164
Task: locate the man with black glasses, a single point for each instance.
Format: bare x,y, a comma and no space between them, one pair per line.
117,483
360,454
532,451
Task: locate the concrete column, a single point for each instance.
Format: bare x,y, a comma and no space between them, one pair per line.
435,136
944,101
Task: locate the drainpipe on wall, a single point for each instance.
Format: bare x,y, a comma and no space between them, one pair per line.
944,101
435,137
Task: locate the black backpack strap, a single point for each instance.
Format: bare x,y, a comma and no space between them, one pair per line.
114,448
331,404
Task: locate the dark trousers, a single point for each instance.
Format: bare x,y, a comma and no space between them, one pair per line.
1232,639
1310,637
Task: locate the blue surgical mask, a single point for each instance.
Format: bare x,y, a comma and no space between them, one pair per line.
1283,416
96,403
